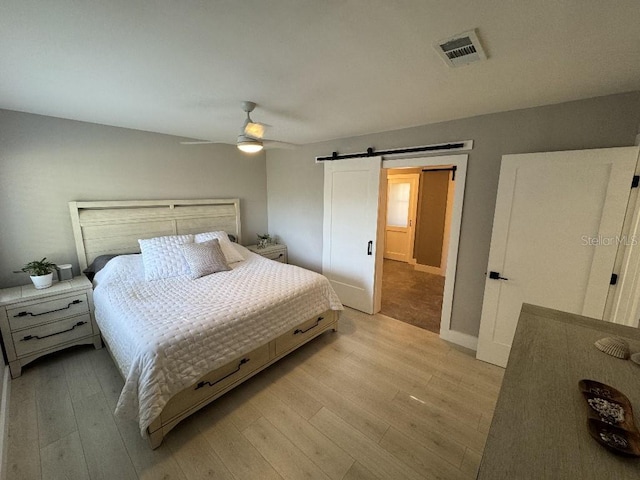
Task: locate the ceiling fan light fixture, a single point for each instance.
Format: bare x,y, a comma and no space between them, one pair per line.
249,145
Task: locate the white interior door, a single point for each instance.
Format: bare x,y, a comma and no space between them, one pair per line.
351,191
401,216
556,220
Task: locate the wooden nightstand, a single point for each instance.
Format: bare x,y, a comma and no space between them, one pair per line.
277,252
37,322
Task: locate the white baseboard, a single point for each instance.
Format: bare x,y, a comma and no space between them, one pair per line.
459,338
429,269
4,419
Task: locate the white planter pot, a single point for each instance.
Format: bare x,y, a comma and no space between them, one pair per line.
42,281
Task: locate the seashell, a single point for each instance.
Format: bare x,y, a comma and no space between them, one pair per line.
635,358
614,346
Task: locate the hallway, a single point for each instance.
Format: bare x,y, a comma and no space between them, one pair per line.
411,296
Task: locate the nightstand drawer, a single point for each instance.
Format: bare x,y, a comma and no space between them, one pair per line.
276,252
51,334
28,315
277,256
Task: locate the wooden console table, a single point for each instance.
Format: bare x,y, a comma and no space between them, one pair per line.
539,429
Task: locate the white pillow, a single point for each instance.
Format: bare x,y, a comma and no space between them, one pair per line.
162,256
204,258
230,253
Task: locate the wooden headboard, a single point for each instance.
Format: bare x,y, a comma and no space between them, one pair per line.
111,227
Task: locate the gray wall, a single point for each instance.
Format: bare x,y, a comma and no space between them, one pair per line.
46,162
295,182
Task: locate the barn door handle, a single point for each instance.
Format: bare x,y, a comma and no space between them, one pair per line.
370,247
496,276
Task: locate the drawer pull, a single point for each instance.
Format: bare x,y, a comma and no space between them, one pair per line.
36,337
24,314
311,327
209,384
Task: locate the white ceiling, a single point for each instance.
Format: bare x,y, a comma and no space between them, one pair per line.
318,69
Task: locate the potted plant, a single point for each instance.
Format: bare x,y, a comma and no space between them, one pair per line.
41,272
264,240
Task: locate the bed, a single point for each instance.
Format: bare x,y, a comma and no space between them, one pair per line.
180,343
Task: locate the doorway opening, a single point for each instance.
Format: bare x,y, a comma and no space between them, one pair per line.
447,332
419,207
355,192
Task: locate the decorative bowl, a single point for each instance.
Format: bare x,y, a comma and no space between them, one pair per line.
615,439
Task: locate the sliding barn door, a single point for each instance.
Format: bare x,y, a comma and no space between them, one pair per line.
556,221
351,192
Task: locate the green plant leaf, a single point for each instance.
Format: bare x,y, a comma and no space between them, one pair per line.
39,267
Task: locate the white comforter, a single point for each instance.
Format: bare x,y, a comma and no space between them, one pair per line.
166,334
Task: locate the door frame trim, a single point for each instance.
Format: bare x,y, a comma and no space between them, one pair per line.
460,161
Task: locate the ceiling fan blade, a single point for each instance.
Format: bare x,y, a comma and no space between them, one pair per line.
278,144
206,142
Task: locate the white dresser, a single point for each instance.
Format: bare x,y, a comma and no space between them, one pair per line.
37,322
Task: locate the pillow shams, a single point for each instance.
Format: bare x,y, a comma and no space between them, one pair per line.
162,256
205,258
230,253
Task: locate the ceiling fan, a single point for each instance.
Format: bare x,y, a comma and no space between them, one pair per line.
251,138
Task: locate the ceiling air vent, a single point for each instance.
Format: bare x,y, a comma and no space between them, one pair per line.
461,49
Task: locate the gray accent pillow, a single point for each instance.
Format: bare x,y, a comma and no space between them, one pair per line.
204,258
98,264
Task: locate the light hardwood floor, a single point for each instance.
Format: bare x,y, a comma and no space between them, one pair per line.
379,399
